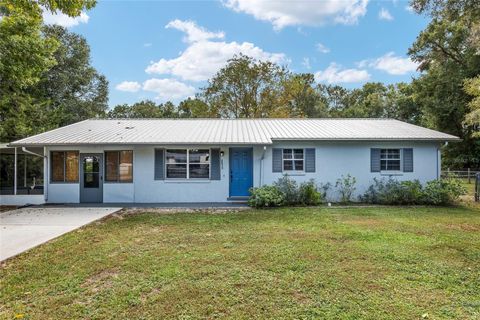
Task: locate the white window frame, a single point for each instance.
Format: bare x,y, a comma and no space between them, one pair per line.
293,159
387,160
188,164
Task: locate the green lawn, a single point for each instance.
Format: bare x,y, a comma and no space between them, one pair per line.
343,263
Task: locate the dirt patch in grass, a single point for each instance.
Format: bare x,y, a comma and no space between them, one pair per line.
7,208
100,280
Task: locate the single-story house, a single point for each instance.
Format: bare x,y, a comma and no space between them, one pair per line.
219,160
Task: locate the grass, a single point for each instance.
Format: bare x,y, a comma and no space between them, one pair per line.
304,263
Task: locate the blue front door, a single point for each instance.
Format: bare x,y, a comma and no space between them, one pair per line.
241,171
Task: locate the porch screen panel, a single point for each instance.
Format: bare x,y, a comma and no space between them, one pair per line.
125,167
111,164
58,159
71,166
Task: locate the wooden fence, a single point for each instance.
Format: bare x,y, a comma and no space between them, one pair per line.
462,174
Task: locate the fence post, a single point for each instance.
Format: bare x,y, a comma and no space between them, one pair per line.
477,187
468,175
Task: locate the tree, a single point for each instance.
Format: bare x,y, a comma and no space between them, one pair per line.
25,55
299,98
472,87
144,109
73,88
447,52
245,88
194,108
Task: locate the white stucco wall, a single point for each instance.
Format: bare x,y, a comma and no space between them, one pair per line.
333,159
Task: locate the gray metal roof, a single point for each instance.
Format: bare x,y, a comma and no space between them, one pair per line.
224,131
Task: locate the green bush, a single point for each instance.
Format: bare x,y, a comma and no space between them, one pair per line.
346,187
308,194
443,191
393,192
266,196
289,188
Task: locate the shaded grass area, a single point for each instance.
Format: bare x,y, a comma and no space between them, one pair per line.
344,263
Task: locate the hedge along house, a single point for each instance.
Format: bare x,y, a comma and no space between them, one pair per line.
216,160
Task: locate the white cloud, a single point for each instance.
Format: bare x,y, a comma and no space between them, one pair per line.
306,63
293,13
168,89
64,20
391,64
322,48
203,58
128,86
336,74
193,32
384,14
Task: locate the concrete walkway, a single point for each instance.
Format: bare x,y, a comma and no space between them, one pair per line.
25,228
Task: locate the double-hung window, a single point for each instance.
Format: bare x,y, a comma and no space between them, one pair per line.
390,160
119,166
187,163
293,160
64,166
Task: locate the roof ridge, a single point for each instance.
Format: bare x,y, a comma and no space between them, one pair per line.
241,119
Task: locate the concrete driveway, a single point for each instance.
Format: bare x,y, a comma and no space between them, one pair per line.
23,229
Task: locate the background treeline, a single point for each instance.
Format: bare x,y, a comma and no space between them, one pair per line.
47,81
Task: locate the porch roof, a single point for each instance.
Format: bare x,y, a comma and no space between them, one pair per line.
229,132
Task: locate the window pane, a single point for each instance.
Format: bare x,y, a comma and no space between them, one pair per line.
126,166
298,154
199,171
111,166
177,171
287,153
199,155
91,180
287,165
383,165
393,165
71,166
58,159
176,156
299,165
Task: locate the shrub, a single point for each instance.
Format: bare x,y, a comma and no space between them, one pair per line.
308,194
394,192
289,188
346,187
443,191
266,196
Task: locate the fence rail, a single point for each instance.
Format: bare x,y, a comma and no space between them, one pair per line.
462,174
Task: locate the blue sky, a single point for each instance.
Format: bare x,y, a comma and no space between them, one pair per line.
165,50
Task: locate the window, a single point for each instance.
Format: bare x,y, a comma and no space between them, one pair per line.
119,166
187,163
64,166
293,160
390,159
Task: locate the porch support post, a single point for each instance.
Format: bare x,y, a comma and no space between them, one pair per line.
15,173
25,170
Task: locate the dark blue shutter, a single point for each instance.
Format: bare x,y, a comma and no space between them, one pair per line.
408,160
277,160
215,164
374,160
159,164
310,160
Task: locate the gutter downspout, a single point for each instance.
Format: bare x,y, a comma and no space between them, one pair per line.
439,160
32,153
